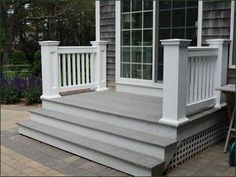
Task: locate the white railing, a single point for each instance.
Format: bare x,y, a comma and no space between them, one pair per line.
76,68
72,68
191,76
201,77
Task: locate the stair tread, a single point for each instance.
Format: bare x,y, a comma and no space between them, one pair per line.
135,158
108,128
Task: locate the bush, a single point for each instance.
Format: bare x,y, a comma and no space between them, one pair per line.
18,57
10,90
36,68
10,74
33,90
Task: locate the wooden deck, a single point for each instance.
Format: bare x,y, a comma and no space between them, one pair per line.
123,104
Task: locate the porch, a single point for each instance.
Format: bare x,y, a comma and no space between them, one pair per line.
135,133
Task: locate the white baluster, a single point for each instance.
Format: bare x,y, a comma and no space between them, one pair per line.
73,69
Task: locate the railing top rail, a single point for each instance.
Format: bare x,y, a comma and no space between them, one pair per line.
76,49
202,48
202,51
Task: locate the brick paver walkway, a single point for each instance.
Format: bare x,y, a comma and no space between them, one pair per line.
22,156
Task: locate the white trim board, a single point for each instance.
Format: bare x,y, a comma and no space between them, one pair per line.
232,35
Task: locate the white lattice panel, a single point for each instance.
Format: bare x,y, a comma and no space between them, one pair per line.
195,144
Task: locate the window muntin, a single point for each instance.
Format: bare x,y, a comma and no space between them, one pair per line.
137,39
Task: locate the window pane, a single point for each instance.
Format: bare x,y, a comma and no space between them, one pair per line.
178,4
164,19
137,37
137,5
126,38
192,3
126,54
147,72
164,34
137,54
125,5
191,15
148,4
164,4
160,72
148,19
126,21
125,70
136,71
137,20
191,33
147,55
160,55
147,37
178,33
178,18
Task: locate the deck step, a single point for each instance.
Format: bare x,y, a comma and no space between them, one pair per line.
128,161
107,128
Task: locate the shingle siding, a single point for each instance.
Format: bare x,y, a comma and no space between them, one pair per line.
216,20
107,30
216,24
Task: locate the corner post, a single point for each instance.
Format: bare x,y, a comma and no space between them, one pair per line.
100,64
50,69
220,68
175,81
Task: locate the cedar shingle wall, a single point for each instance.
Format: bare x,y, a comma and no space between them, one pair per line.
107,27
216,24
216,20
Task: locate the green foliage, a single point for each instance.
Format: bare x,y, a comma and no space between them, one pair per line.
10,74
33,96
24,73
36,67
9,96
18,57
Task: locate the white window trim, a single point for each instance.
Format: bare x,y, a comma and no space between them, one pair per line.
97,15
146,83
231,35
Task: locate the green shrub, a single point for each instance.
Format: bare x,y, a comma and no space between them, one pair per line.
9,96
33,96
24,73
18,57
10,74
36,67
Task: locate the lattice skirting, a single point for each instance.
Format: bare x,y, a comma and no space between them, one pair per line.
197,143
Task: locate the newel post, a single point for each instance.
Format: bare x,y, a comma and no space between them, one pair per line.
100,64
175,81
50,69
221,67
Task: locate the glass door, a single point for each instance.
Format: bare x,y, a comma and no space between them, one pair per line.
137,39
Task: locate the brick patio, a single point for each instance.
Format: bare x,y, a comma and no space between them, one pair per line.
22,156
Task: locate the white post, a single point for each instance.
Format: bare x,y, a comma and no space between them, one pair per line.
220,68
50,69
175,81
100,64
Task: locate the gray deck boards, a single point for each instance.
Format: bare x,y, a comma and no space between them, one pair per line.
123,104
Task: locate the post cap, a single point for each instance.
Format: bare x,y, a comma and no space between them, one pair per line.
218,41
49,43
99,42
176,42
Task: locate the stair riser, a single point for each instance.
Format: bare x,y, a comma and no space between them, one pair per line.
87,153
145,148
139,125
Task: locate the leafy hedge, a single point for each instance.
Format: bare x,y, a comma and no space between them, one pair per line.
12,89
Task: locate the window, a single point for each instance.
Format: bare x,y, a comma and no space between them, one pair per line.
177,19
137,39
